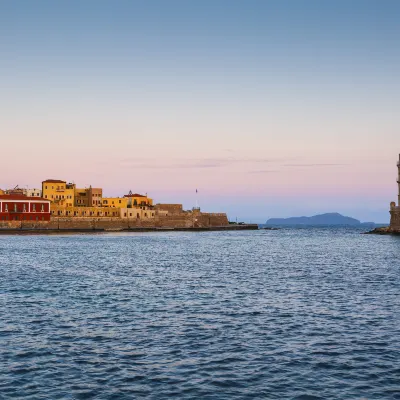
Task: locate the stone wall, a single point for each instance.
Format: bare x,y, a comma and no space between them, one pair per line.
170,208
184,220
395,218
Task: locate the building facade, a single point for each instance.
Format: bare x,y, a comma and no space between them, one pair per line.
59,192
33,192
88,197
119,202
25,192
85,212
137,200
23,208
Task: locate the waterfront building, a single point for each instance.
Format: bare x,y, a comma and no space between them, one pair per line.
95,196
137,213
17,191
114,202
81,198
1,192
33,192
24,192
84,212
22,208
88,197
138,200
59,192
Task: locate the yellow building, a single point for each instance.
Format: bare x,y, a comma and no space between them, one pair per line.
138,200
1,192
116,202
59,192
84,212
131,200
137,213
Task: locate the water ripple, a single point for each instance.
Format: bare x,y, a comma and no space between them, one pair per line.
296,314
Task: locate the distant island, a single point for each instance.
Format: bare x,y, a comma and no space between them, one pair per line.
317,220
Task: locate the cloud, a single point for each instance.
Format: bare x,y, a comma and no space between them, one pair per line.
314,165
263,171
199,163
217,162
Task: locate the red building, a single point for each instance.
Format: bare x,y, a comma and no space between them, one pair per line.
23,208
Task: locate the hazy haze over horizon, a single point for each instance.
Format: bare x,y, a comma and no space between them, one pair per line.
269,109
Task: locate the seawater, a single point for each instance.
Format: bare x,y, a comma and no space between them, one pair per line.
289,314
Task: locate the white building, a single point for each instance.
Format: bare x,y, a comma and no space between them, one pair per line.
33,192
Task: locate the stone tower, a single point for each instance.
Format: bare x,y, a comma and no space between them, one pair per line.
398,181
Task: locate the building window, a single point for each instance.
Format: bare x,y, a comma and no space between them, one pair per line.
42,208
6,209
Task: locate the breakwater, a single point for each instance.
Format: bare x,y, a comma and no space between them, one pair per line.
181,223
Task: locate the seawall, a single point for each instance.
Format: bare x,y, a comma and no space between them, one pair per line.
187,222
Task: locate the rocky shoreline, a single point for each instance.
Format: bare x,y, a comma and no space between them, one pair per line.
386,230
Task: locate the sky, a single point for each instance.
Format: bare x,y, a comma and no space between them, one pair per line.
268,108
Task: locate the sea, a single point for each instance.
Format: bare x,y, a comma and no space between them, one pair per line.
289,314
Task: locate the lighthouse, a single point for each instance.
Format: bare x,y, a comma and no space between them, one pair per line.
398,181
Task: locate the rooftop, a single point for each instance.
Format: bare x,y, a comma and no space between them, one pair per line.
130,194
53,181
20,197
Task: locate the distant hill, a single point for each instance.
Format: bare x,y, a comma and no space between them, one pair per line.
321,219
